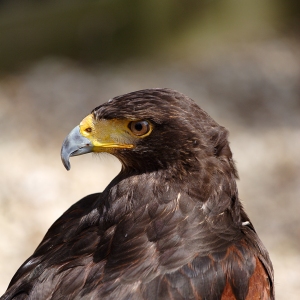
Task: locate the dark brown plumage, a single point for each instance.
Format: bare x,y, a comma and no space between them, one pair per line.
169,226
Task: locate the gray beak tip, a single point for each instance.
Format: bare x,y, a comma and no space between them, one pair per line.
73,145
67,165
65,159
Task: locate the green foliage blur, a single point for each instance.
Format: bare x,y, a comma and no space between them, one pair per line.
114,30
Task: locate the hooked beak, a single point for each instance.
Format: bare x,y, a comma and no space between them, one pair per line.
97,136
74,144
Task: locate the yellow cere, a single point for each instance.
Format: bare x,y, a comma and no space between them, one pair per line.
107,134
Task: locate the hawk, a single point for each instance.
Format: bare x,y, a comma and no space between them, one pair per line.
170,225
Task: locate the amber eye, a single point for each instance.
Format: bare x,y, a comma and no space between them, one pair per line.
139,127
89,129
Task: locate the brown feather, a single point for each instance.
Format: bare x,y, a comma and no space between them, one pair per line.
169,226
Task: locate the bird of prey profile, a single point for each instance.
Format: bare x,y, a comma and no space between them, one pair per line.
170,225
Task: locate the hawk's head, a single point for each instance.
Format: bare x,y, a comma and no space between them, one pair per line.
149,130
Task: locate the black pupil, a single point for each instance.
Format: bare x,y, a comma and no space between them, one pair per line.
138,126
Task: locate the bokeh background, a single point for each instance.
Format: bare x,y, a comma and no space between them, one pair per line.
240,60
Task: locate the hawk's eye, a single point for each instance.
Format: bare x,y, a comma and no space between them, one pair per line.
139,127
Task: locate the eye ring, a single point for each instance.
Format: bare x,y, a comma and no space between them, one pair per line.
139,128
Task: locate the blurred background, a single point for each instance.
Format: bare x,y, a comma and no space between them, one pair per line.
240,60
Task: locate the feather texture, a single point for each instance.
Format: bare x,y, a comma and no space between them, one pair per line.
169,226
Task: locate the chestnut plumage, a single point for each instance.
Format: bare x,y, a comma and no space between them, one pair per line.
169,226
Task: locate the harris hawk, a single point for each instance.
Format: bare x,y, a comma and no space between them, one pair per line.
170,225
